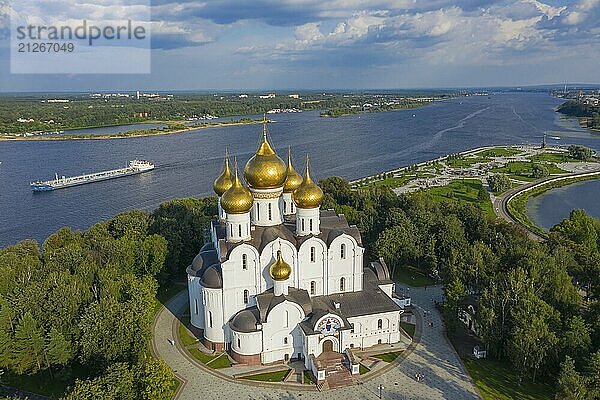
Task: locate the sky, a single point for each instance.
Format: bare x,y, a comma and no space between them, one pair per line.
343,44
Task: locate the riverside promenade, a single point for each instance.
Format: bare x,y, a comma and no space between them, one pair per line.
444,374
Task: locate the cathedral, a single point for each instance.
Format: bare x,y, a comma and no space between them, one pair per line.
282,279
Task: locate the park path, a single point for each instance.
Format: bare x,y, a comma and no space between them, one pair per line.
444,374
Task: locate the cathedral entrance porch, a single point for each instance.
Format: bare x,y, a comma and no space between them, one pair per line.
327,346
337,373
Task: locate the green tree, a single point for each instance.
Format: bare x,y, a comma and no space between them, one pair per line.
570,383
539,171
58,349
28,345
155,380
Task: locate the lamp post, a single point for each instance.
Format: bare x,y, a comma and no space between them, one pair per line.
380,391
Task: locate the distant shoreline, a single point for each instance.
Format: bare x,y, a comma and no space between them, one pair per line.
130,134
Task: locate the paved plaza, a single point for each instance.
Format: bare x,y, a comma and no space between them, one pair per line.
444,374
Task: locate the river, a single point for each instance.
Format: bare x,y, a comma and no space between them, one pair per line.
551,207
351,147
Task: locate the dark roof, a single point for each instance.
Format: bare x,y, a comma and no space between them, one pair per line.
245,320
204,259
266,301
212,277
331,226
355,304
380,272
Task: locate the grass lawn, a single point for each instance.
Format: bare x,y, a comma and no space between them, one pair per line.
499,152
522,170
362,369
307,378
388,357
412,277
497,381
184,335
277,376
553,157
221,361
164,294
462,191
409,328
200,356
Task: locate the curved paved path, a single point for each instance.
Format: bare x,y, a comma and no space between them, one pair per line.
445,377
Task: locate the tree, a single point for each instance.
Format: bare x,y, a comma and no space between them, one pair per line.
570,383
155,380
58,349
539,171
28,345
580,152
499,183
116,384
532,338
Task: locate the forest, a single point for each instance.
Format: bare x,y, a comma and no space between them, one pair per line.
78,310
21,114
76,314
576,108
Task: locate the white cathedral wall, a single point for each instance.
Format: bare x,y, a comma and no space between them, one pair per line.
312,271
350,268
282,322
247,343
196,304
366,332
236,279
213,315
268,257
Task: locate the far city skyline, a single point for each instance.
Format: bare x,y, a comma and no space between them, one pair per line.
310,44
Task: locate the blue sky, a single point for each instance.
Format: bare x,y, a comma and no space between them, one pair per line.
326,44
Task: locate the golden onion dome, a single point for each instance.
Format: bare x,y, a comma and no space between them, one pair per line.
265,170
237,199
280,270
309,194
225,180
293,179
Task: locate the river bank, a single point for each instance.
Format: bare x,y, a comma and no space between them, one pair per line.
463,178
169,130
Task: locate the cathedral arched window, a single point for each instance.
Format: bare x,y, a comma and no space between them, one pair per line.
270,213
257,211
310,224
285,207
285,340
342,284
246,294
286,321
343,251
240,230
313,253
313,287
302,220
210,319
239,343
380,324
244,261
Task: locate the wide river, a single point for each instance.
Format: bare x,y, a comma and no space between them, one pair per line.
350,147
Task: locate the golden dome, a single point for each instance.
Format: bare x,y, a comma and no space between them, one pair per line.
280,270
293,179
237,199
225,180
308,195
265,170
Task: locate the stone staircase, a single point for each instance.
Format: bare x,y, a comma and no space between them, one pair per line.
337,373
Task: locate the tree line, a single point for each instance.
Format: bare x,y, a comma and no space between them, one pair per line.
79,309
